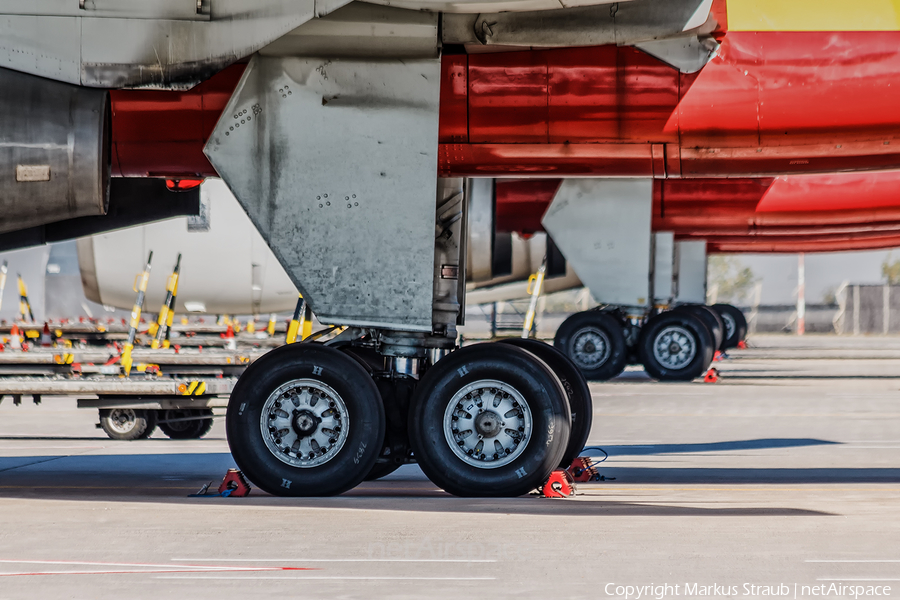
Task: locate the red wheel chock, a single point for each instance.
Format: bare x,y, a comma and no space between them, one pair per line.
559,485
742,345
583,470
711,376
234,485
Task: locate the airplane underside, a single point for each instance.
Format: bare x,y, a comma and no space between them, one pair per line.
354,138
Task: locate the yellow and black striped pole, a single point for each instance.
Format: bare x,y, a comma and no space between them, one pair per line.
157,329
3,269
294,325
24,304
535,286
171,315
300,326
140,286
306,321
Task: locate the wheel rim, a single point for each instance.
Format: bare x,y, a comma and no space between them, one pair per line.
590,348
730,325
304,423
122,420
674,347
487,424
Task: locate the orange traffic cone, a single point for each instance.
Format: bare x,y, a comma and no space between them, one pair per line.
46,338
230,342
15,338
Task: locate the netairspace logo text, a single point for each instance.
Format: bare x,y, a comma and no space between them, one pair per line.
795,590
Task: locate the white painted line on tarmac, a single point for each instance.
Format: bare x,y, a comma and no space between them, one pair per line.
869,447
137,565
853,560
333,578
855,579
373,560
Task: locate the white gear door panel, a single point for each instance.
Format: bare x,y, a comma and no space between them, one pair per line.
602,227
335,162
691,262
663,266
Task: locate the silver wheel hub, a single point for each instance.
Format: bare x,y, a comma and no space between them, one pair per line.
122,420
674,347
590,348
487,424
304,423
730,325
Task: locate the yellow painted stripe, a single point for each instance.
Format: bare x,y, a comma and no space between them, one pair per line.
201,389
813,15
192,387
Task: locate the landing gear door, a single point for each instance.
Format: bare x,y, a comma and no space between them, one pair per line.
335,162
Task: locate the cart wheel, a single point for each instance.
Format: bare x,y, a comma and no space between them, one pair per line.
127,423
185,430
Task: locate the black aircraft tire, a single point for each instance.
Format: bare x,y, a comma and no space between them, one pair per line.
577,391
711,319
300,376
595,342
735,324
666,362
512,398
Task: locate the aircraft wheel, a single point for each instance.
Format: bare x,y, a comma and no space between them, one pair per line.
595,342
577,391
711,319
127,423
305,420
735,324
185,430
489,420
675,346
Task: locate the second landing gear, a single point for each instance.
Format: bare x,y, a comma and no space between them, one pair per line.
675,345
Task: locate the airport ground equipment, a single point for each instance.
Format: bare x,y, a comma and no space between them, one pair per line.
140,286
176,392
25,312
162,328
131,408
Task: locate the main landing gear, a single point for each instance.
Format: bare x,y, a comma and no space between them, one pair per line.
675,345
491,419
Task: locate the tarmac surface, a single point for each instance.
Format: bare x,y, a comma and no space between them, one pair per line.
785,472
